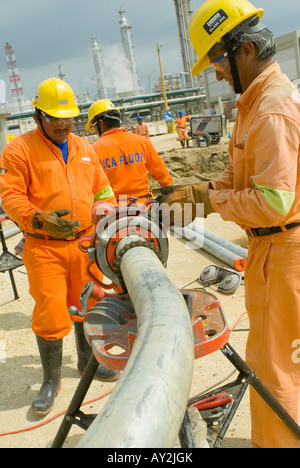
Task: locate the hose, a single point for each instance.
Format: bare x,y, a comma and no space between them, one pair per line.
36,426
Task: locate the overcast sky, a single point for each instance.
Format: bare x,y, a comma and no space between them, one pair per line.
44,34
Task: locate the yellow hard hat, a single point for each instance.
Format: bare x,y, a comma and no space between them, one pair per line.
99,107
56,98
212,21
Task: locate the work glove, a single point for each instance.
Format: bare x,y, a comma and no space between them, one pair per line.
53,223
179,203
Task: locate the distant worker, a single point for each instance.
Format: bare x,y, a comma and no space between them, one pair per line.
49,181
142,127
181,128
169,120
126,158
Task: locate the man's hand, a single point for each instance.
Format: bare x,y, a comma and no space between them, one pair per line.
179,202
53,223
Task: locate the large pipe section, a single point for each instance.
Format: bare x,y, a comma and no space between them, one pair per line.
148,404
219,240
10,232
225,255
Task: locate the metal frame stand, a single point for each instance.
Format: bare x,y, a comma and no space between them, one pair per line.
219,416
8,261
73,414
218,419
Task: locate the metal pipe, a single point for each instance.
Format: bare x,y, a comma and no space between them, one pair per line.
219,240
10,232
147,406
202,177
173,173
239,263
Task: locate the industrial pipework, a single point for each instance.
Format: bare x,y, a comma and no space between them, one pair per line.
148,404
160,334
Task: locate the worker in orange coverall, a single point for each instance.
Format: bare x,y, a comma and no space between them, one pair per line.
49,180
125,158
260,191
181,128
142,127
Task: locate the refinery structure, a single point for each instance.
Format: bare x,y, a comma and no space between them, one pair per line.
181,87
127,43
98,63
14,77
177,90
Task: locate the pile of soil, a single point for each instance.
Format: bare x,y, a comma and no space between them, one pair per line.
184,163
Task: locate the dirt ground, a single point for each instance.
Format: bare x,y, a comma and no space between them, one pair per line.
20,368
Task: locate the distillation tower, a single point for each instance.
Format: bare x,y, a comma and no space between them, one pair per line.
127,42
14,77
61,73
184,16
101,90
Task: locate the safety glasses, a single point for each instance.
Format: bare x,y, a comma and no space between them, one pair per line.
55,122
221,63
94,124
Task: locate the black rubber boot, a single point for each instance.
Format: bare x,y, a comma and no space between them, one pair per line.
182,143
187,143
51,359
84,352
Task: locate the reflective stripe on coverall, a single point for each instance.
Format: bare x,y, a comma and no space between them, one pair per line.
36,177
181,124
264,152
127,159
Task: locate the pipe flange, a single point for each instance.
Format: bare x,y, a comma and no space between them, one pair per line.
108,239
122,252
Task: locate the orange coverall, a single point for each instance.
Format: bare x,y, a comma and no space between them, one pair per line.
35,176
261,188
142,129
181,124
127,159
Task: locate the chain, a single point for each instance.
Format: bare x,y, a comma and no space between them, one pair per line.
148,245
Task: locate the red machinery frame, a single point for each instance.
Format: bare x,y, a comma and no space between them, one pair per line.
112,322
